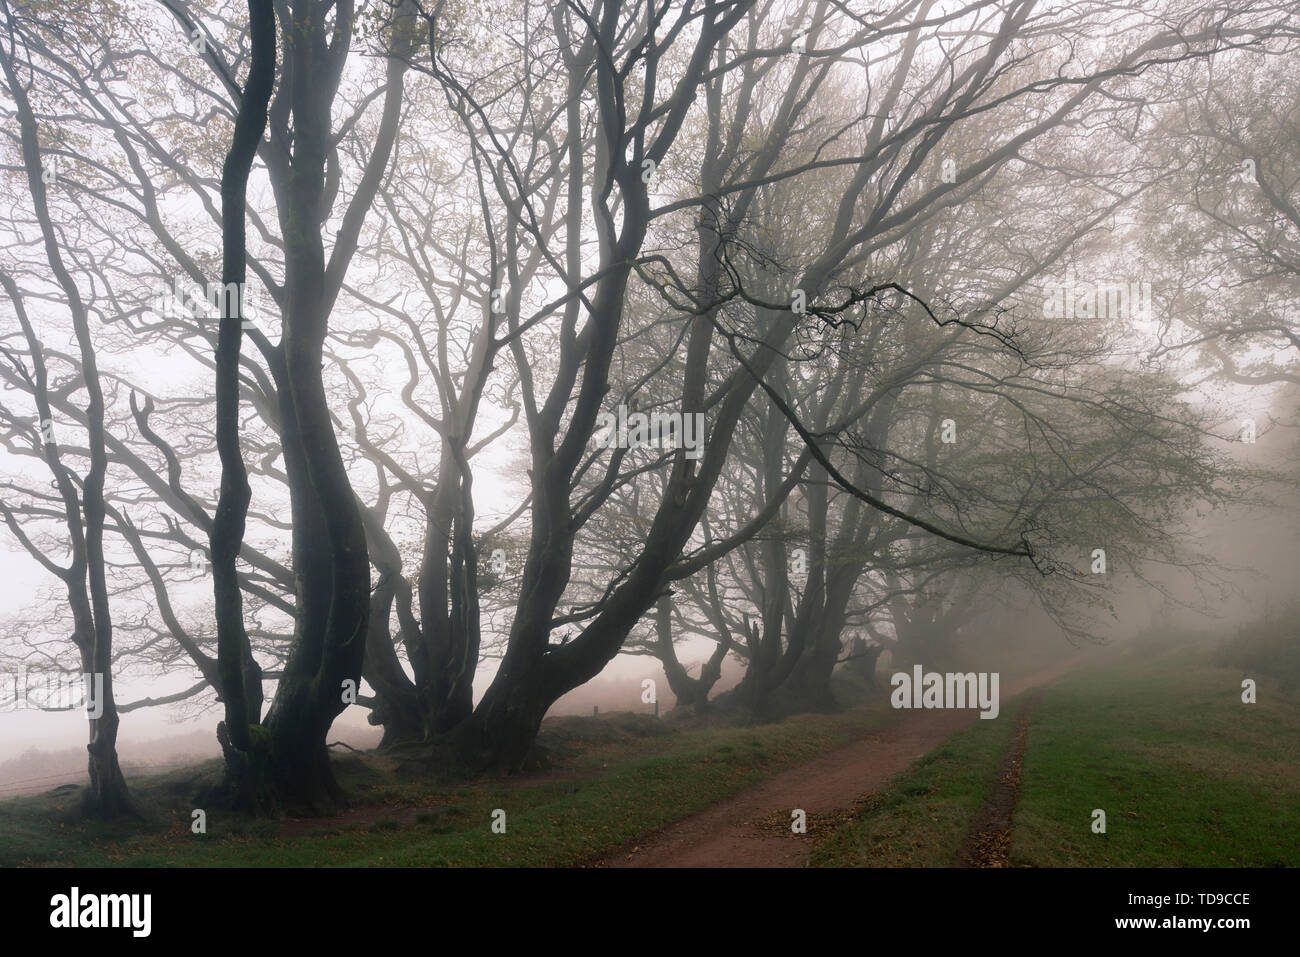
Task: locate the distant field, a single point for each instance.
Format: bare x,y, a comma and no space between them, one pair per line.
1186,773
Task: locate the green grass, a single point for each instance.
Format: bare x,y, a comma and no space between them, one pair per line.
922,817
608,792
1187,774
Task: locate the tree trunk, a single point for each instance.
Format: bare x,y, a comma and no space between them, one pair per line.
247,758
330,558
108,797
689,692
501,734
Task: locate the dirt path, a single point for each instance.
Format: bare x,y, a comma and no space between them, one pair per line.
752,828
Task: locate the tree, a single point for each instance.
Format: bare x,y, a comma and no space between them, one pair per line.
85,577
636,125
330,558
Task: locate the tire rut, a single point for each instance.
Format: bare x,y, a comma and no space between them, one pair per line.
988,844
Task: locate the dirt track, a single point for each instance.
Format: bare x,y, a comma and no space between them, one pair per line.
752,828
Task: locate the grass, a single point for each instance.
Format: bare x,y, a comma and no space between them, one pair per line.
1187,775
612,787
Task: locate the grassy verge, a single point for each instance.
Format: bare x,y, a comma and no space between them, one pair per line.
607,793
1187,774
922,816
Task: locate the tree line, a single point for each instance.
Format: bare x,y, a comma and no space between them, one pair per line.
452,239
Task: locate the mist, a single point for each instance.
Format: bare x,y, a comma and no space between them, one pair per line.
746,434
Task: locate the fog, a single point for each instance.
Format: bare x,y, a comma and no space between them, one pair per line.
712,364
